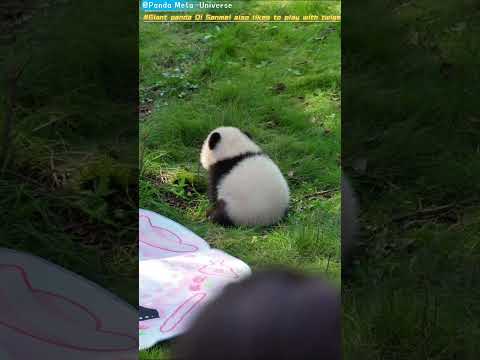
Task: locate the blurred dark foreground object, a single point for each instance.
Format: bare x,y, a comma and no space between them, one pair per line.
274,314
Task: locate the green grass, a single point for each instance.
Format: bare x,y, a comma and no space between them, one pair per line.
280,82
157,353
409,108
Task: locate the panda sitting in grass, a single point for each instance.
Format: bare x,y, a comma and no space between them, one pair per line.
245,186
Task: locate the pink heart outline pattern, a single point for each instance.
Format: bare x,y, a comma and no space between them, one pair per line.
55,342
218,268
182,312
177,244
191,261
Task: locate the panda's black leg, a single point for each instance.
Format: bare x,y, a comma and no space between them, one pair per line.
219,214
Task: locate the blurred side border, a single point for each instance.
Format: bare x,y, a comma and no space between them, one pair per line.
69,136
410,142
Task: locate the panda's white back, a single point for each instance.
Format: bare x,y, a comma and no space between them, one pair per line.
255,192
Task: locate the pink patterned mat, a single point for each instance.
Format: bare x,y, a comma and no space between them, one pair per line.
179,273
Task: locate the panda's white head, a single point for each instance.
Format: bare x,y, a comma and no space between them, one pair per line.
224,143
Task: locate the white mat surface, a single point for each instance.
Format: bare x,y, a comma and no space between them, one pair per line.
179,273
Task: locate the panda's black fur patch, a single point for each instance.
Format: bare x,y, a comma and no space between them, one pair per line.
248,134
221,168
214,140
219,214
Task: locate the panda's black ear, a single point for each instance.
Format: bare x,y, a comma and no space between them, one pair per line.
248,134
214,140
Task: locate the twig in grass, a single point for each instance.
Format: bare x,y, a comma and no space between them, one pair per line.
328,263
324,193
424,212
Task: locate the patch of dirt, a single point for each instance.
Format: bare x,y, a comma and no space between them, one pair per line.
325,33
145,110
279,88
175,201
272,122
169,62
159,179
95,234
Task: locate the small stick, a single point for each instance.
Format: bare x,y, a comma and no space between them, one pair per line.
320,193
424,212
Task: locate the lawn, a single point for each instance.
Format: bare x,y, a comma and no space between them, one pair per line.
410,138
281,83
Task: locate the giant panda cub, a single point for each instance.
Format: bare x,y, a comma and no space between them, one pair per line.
245,186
